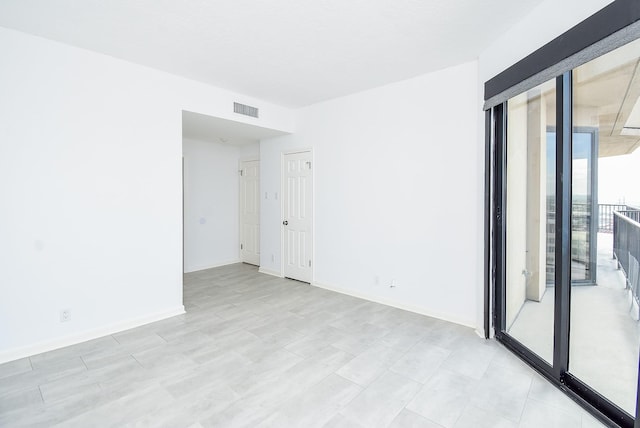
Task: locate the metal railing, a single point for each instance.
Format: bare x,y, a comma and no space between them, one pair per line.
605,216
626,247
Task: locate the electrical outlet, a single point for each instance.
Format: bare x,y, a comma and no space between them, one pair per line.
65,315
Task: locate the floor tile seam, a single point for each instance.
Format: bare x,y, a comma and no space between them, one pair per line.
318,383
13,389
382,373
41,395
362,390
349,419
116,339
528,397
10,375
75,415
466,406
31,362
477,383
84,363
417,343
554,407
552,402
142,366
365,388
428,419
524,406
423,383
350,333
72,397
401,356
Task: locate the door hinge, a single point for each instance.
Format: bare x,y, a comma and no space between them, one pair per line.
309,263
309,164
241,246
241,173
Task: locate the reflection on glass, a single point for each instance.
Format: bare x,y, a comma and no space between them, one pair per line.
584,207
530,215
606,190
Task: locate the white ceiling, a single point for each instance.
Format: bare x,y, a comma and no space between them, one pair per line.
289,52
201,127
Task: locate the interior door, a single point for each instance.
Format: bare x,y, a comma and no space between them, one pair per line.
297,216
250,212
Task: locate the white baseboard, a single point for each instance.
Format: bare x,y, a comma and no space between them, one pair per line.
50,345
197,268
270,272
395,304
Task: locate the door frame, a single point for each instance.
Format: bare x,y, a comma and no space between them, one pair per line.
283,155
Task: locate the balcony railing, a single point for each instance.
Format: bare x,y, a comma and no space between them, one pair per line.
605,216
626,246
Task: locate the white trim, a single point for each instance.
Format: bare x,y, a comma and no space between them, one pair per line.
270,272
395,304
215,265
50,345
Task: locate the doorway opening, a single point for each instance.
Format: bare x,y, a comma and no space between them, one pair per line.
221,191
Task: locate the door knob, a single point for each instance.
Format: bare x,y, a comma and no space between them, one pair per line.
285,222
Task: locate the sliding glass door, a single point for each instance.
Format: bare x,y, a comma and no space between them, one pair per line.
566,229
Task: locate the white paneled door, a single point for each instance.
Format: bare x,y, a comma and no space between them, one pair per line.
250,212
297,216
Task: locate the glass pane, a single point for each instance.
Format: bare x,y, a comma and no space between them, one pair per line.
530,217
605,246
583,204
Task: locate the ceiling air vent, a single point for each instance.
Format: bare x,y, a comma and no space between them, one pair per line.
246,110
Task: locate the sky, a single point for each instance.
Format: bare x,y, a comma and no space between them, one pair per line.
618,176
619,179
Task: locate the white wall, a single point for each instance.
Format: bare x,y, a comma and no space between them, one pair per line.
90,183
395,175
250,151
211,186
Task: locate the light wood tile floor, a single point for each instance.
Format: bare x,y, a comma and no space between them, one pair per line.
260,351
